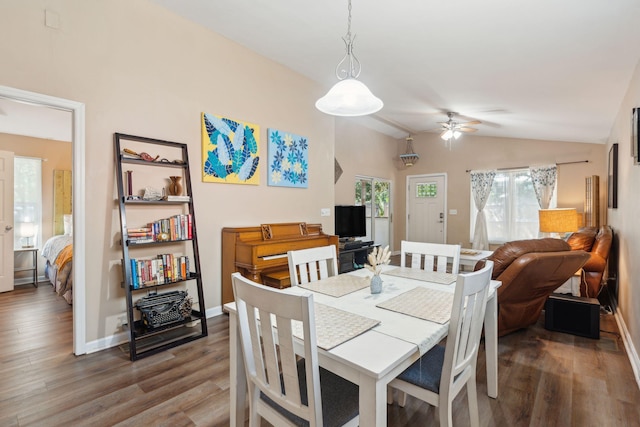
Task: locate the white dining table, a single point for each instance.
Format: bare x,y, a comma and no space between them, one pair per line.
375,357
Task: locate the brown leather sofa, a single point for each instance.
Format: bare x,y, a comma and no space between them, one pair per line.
530,270
598,243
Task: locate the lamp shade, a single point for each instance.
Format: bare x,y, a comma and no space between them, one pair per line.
349,98
27,229
558,220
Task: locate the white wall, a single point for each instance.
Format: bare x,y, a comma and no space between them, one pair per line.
624,220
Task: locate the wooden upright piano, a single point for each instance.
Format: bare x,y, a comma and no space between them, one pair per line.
257,252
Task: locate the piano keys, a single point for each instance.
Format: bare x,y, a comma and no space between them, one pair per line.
260,251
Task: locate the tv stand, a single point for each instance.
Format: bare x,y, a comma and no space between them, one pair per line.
354,258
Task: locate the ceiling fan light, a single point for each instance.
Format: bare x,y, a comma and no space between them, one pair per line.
349,98
456,134
447,135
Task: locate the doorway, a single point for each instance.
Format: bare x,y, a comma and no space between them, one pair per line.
375,194
426,208
78,142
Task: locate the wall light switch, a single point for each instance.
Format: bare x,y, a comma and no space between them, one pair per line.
453,211
325,212
51,19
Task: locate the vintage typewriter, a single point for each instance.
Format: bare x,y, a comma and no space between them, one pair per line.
164,309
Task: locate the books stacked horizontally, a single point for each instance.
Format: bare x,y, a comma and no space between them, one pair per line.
165,268
140,235
171,198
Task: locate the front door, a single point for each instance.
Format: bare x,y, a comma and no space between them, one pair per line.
426,206
6,221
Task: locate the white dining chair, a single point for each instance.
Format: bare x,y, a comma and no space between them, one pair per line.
285,389
441,373
309,265
436,254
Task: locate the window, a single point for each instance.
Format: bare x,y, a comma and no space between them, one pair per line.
27,201
375,194
428,189
512,208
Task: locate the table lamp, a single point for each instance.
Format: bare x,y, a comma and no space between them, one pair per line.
556,221
27,230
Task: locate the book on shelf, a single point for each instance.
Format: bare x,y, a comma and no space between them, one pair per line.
164,268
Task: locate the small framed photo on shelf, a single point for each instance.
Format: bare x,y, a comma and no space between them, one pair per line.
635,136
612,177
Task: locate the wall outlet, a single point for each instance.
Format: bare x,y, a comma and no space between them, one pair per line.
325,212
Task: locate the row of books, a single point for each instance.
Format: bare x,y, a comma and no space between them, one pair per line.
165,268
177,227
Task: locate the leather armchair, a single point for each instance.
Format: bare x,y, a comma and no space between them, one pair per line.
530,270
597,242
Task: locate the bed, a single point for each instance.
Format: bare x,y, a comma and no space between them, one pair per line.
58,253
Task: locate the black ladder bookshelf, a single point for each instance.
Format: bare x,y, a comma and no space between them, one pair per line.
187,322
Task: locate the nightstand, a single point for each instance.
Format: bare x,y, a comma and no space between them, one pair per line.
34,263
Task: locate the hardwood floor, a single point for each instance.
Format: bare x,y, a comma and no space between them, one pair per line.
546,378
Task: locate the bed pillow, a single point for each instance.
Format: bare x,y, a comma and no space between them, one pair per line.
68,225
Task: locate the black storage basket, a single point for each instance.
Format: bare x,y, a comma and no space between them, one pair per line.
164,309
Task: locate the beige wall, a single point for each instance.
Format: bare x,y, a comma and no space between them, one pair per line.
476,152
363,152
624,219
144,71
58,157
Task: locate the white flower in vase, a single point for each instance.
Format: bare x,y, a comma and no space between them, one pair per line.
377,258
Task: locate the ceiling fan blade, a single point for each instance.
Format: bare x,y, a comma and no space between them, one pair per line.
467,129
472,122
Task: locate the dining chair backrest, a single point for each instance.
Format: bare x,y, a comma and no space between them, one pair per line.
309,265
270,361
441,373
427,255
465,327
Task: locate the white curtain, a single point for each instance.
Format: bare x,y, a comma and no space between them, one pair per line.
481,182
544,181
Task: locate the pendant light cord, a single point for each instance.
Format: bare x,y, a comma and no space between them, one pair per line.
354,67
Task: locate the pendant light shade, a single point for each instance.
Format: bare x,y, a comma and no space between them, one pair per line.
349,97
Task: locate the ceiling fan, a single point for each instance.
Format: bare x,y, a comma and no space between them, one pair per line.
452,129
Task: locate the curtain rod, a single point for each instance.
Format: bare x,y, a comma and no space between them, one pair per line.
525,167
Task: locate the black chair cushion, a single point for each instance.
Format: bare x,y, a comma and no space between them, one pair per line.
340,399
426,371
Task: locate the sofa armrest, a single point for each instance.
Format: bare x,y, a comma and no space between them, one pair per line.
595,263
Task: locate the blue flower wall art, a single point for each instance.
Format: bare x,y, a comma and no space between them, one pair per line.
288,159
230,150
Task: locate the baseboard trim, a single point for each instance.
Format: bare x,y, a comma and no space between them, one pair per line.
628,345
123,337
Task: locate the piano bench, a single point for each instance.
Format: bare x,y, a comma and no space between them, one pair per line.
277,279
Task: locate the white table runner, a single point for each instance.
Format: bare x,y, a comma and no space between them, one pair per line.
422,275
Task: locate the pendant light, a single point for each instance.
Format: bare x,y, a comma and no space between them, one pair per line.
409,158
349,97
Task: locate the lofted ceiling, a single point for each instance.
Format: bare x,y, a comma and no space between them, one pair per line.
540,69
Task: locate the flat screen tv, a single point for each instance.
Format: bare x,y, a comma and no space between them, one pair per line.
351,221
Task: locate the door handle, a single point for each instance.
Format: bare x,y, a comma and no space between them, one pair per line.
8,227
